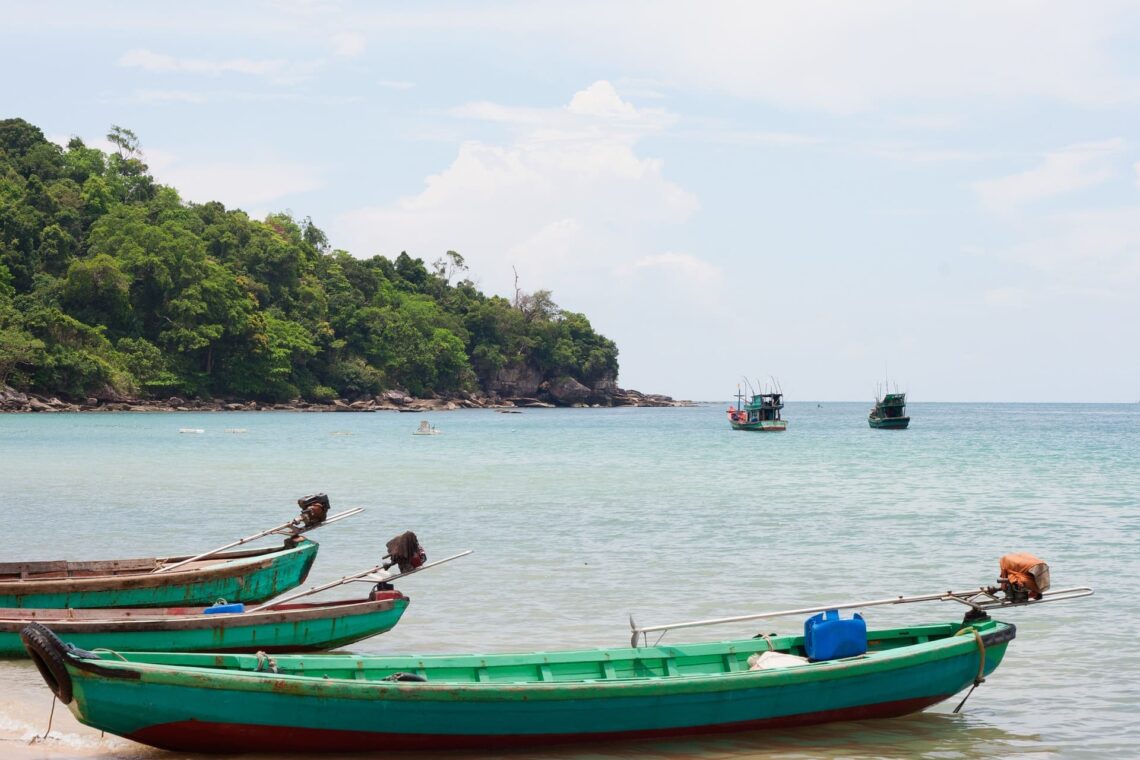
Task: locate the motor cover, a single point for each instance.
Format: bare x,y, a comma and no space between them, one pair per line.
1023,574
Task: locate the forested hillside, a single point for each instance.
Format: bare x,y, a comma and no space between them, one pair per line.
112,285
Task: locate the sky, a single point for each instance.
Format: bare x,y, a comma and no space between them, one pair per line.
945,195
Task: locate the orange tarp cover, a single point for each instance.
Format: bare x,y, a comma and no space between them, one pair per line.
1016,567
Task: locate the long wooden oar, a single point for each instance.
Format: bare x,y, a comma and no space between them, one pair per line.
981,599
363,575
290,526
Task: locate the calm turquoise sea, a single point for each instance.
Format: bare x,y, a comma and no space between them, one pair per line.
579,518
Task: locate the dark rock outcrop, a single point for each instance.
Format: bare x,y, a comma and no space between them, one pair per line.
566,391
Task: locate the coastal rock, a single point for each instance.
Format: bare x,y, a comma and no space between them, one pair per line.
516,382
568,391
107,394
530,403
12,400
394,397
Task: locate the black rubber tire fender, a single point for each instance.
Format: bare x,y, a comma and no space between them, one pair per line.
47,652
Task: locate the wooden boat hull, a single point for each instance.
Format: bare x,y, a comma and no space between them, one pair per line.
889,423
288,628
244,576
343,704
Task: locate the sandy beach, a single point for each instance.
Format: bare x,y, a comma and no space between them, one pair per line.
26,707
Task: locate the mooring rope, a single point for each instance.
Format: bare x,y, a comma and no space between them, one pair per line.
110,651
51,717
980,678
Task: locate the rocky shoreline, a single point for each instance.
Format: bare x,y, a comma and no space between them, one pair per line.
13,401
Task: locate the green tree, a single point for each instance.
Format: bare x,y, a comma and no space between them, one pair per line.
17,348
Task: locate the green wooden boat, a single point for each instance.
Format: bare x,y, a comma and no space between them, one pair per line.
344,703
760,414
284,628
889,412
238,576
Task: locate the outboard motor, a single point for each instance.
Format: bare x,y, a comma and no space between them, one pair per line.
405,551
1023,577
314,509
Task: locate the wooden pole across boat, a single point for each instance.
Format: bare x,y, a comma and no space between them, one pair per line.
364,575
981,599
291,526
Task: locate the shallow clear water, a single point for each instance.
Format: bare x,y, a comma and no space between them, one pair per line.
579,518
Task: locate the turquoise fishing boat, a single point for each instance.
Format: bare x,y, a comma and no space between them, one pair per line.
761,413
889,412
348,703
239,576
282,628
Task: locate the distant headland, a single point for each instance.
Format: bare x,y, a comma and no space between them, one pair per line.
15,401
115,294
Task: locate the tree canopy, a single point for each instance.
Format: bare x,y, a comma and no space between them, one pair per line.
111,283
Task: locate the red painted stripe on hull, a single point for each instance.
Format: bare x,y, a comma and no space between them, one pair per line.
197,736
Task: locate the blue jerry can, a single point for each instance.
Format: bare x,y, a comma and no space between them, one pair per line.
826,637
224,608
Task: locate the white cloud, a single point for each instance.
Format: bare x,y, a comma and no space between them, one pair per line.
348,44
567,195
595,112
276,70
762,137
169,96
1073,168
150,61
845,57
699,279
1092,254
239,185
1008,297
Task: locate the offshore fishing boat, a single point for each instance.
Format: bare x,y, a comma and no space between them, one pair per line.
342,703
889,412
760,413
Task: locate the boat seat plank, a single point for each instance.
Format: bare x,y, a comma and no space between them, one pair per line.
24,569
65,569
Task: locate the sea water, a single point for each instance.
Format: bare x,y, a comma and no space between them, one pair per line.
581,518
